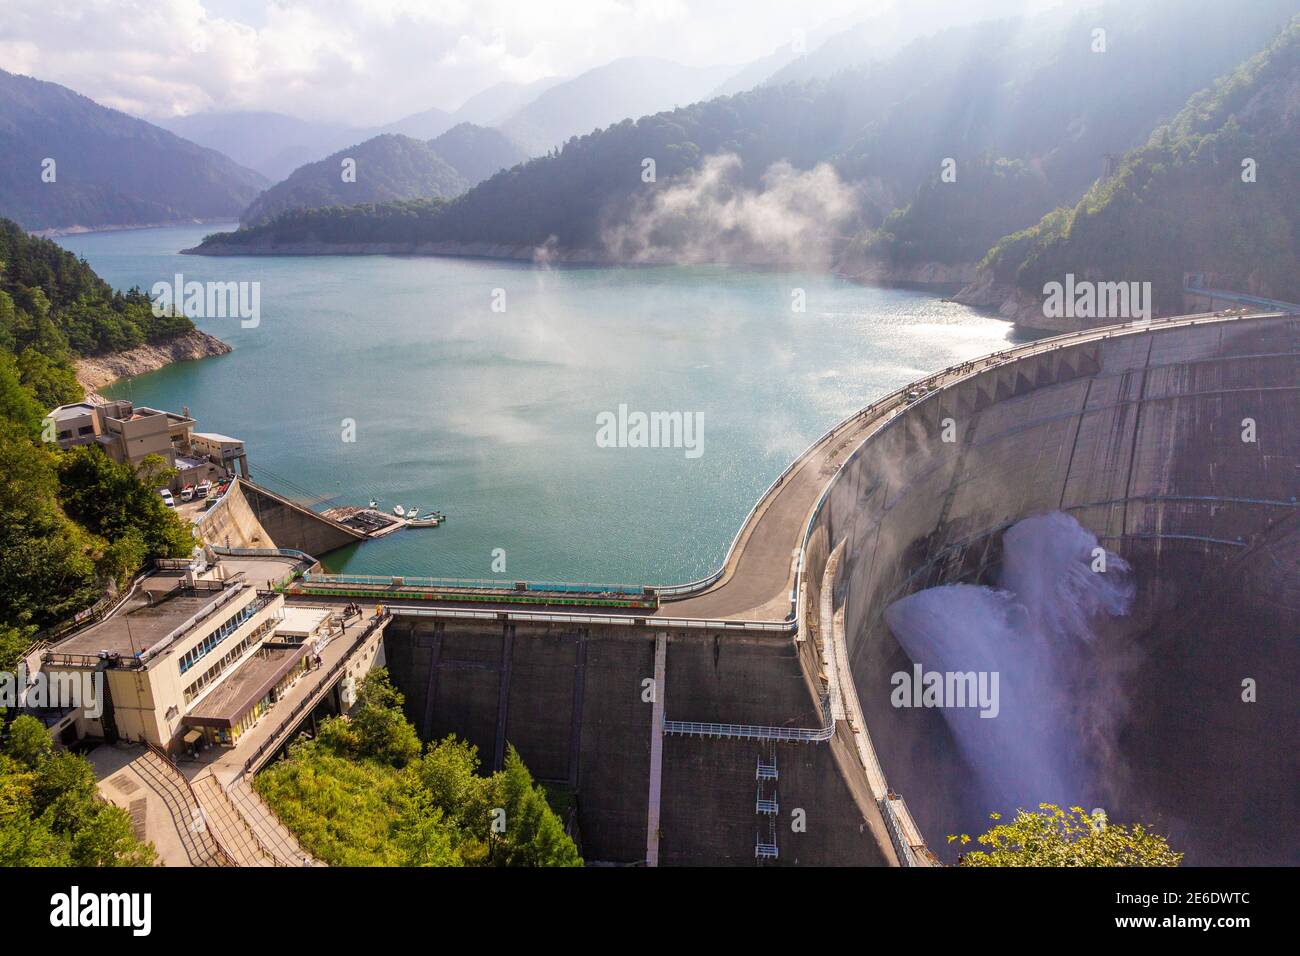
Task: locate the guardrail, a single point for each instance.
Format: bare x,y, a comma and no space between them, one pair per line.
224,857
542,617
789,735
804,735
562,587
263,553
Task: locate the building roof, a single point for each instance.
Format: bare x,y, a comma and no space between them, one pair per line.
160,605
73,410
301,621
235,696
213,436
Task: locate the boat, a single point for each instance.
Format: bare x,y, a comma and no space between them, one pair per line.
428,522
373,504
399,510
412,512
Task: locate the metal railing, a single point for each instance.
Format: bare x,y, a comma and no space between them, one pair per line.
563,587
224,857
790,735
542,617
273,741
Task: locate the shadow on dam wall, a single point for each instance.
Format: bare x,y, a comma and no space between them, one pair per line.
1139,437
572,701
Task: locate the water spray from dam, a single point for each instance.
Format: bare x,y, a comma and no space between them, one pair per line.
1035,634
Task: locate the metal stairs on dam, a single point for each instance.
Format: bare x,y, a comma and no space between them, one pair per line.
766,806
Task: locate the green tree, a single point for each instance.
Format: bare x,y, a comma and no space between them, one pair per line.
29,743
533,834
50,811
1056,837
383,731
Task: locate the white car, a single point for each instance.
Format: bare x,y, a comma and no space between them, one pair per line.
167,498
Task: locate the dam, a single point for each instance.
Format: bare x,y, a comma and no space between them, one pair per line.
747,717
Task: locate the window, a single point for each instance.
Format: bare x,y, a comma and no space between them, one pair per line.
228,627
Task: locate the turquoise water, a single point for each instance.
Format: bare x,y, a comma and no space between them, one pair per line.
491,417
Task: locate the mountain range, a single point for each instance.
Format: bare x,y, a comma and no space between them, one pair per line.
1028,112
390,166
70,163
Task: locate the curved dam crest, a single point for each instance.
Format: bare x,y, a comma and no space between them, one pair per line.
1138,435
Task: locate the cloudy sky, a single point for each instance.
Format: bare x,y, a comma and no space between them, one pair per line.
371,61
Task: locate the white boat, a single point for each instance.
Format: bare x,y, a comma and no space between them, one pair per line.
412,512
399,510
373,504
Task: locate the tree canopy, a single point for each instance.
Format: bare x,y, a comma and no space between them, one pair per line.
1055,837
50,812
364,793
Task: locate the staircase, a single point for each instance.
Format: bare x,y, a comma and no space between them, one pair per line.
200,845
246,827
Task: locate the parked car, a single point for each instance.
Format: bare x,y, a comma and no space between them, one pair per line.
187,493
203,489
167,498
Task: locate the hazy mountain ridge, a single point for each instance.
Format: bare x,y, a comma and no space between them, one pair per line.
390,167
1182,202
1055,109
387,167
110,169
628,87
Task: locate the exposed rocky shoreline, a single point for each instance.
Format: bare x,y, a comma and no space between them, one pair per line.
98,371
520,252
78,230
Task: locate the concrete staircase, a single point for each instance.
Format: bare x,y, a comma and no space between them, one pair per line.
246,826
193,837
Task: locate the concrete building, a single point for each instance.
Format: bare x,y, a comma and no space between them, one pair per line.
221,449
128,434
195,655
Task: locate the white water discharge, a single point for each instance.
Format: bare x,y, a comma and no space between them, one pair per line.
1038,631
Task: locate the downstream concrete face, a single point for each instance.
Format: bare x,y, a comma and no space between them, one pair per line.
576,703
1144,439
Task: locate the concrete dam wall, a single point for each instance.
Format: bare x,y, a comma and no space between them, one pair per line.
1175,444
572,700
1139,437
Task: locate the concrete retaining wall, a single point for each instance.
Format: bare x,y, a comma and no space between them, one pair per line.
249,516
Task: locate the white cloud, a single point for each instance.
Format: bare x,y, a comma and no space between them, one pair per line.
368,61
